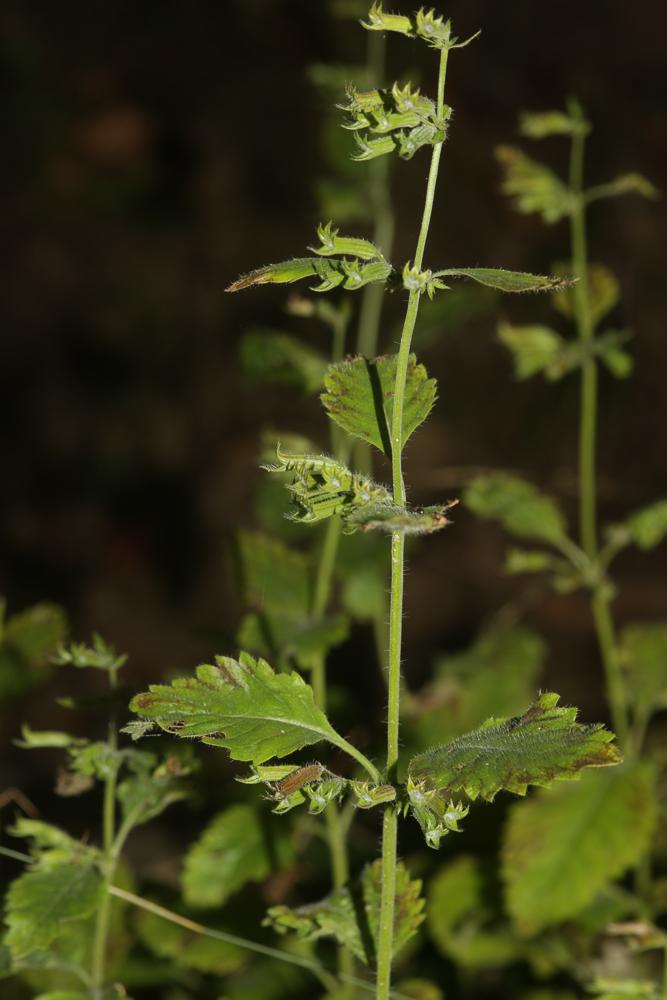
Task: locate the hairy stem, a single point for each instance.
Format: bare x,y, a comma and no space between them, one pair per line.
101,935
600,599
390,821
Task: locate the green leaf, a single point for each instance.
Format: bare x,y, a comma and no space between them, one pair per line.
363,570
100,655
621,989
561,849
50,843
506,281
390,519
40,901
32,740
623,184
644,655
243,706
543,745
419,989
497,673
63,995
332,243
323,487
274,577
360,393
233,849
533,186
519,507
331,272
604,292
352,914
28,640
648,527
454,892
534,348
542,124
188,950
153,787
280,359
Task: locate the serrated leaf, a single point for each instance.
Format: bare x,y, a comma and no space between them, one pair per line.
241,705
497,673
561,849
543,745
603,292
534,349
280,359
644,655
50,844
542,124
234,849
40,901
519,507
359,398
506,281
533,186
352,914
188,950
98,655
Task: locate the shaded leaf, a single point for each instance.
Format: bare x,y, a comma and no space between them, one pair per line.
543,745
632,183
363,570
352,914
519,507
280,359
453,894
533,186
644,655
188,950
561,849
542,124
648,527
99,655
534,348
28,640
40,901
506,281
153,786
234,849
274,577
497,673
241,705
603,292
359,398
419,989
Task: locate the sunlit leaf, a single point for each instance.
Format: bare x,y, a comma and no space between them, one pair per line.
519,507
561,848
235,848
543,745
352,915
241,705
360,393
331,273
533,186
280,359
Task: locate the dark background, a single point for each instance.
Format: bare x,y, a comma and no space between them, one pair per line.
152,151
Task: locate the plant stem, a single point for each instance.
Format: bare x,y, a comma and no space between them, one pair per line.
261,949
600,599
390,819
109,857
